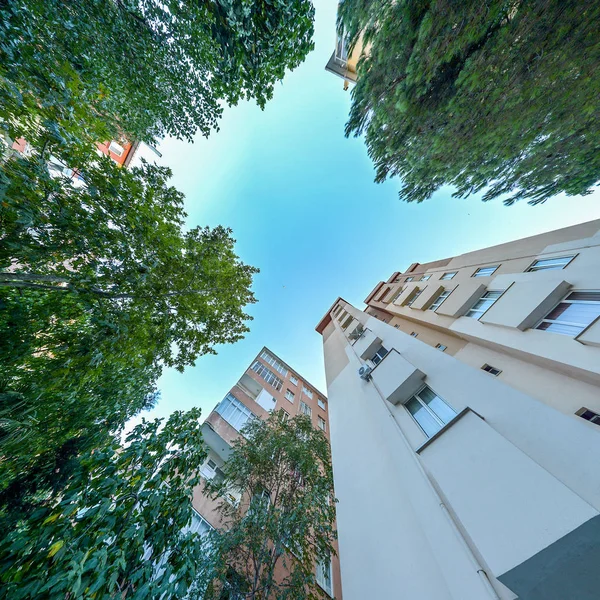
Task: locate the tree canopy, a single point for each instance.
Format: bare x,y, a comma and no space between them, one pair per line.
122,527
271,541
144,68
496,96
101,287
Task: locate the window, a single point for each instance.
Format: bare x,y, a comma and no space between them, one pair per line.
485,271
385,293
436,303
491,370
234,412
448,275
347,322
425,278
198,525
268,358
441,347
342,315
305,409
417,294
284,415
559,262
429,411
397,326
267,375
323,572
414,334
409,279
588,415
322,423
289,395
379,355
307,392
396,295
116,148
573,314
209,469
294,380
337,310
483,304
321,403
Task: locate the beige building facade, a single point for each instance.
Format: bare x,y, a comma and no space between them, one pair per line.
268,384
465,425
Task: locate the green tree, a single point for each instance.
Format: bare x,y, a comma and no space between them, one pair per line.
285,518
101,286
121,528
500,96
146,68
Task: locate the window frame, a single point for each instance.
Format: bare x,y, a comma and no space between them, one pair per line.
435,304
409,279
321,403
307,392
379,356
294,380
240,408
441,347
595,418
328,589
414,334
478,272
287,397
425,277
418,292
267,375
424,405
274,362
305,409
321,420
531,268
116,148
570,323
483,297
451,273
494,371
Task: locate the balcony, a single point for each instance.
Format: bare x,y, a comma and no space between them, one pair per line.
397,378
366,345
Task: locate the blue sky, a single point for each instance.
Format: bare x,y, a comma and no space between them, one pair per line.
303,206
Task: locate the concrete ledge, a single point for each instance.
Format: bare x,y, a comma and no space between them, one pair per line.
445,428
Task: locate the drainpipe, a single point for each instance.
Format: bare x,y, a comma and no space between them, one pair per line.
483,576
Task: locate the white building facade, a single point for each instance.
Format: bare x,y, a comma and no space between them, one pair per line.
458,478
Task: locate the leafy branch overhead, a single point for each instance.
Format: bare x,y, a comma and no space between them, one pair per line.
101,287
495,97
121,525
147,68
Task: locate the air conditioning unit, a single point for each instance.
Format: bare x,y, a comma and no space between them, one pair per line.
365,372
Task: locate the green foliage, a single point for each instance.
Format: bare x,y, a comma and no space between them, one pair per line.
146,68
100,288
120,527
285,518
500,96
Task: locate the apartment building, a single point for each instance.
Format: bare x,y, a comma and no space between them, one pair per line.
268,384
465,425
343,61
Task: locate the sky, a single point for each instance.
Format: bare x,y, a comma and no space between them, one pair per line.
304,208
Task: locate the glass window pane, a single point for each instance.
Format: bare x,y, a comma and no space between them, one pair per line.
584,296
423,417
576,313
559,328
